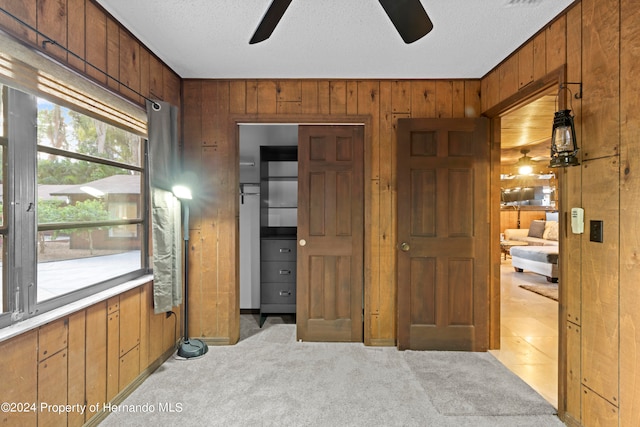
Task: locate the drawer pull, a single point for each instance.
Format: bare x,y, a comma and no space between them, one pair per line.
285,250
285,272
285,293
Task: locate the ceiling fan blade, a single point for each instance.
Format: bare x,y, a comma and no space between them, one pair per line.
270,20
409,18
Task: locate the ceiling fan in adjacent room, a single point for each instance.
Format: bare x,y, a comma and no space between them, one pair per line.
408,16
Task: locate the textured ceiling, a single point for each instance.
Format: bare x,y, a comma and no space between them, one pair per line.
331,38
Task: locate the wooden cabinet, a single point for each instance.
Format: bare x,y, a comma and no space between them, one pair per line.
278,227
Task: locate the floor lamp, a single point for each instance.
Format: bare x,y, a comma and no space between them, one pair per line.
188,347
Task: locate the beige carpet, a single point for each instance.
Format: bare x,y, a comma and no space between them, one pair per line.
270,379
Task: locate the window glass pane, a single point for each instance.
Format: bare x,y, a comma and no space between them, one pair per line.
69,260
61,128
72,191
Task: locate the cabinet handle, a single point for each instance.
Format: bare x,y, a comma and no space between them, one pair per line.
285,293
285,250
285,272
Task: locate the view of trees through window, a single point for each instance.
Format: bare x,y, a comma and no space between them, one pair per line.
89,211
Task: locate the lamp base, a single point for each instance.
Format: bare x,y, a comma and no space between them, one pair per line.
564,161
192,348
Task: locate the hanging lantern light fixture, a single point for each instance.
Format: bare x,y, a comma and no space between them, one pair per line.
564,145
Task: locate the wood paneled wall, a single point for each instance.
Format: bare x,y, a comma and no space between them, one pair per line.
101,48
95,354
88,357
599,43
210,141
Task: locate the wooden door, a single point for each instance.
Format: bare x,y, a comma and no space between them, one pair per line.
443,234
330,233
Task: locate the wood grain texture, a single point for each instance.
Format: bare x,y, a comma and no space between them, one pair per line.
573,381
556,41
52,20
96,355
629,218
76,362
112,354
52,377
601,78
52,338
600,280
525,65
130,319
596,411
19,371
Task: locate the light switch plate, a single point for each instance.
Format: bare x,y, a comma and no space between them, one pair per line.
596,231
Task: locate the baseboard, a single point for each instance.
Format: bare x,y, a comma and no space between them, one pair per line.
130,388
382,342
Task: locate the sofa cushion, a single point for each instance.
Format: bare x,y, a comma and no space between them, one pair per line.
536,229
548,254
550,230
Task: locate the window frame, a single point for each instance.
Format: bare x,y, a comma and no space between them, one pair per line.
20,225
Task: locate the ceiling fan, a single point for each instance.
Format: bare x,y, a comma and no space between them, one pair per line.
408,16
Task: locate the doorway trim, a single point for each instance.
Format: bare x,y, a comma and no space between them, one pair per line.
523,96
366,121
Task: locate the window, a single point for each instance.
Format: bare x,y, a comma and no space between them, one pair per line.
80,226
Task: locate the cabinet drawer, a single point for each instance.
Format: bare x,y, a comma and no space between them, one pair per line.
278,249
278,271
277,293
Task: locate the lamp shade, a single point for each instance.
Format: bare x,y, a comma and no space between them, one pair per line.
564,146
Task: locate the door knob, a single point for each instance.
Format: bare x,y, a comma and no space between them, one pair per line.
404,247
303,242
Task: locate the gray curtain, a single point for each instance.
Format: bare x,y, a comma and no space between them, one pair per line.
165,208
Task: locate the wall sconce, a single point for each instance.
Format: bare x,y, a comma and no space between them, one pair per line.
564,145
524,163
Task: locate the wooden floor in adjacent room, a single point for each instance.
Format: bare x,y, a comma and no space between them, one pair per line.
529,332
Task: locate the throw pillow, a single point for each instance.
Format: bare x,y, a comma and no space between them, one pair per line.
536,229
550,230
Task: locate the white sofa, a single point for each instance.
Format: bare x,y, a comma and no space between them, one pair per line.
541,253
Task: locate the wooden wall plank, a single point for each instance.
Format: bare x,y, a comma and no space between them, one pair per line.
289,90
540,56
145,63
324,97
490,90
129,367
52,338
556,40
112,354
51,17
600,56
237,97
309,95
458,107
19,373
390,92
597,410
76,373
600,281
156,83
525,65
267,97
629,218
129,70
444,99
76,33
574,387
423,97
352,97
130,318
113,54
338,97
401,96
96,42
52,378
472,98
509,77
171,86
23,10
96,355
